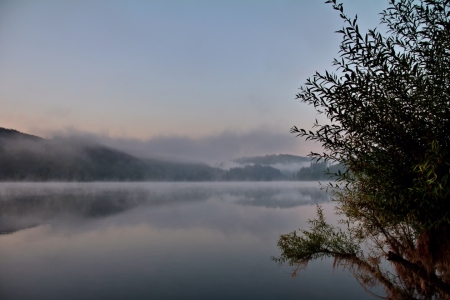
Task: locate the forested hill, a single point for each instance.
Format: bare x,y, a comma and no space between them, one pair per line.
273,159
9,134
25,157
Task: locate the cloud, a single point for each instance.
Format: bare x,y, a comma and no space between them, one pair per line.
210,149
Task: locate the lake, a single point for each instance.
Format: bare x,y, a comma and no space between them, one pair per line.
160,241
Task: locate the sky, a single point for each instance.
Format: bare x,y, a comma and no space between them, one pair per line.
204,73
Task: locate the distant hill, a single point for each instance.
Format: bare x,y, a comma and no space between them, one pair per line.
25,157
291,166
159,170
254,173
318,171
287,164
273,159
8,134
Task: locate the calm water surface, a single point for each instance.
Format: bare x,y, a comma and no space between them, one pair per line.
159,241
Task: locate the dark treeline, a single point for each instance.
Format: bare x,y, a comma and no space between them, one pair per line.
273,159
254,172
25,157
318,171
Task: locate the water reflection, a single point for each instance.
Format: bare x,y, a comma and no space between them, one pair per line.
157,240
282,198
25,205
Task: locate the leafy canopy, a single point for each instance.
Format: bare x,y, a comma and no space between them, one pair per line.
390,111
388,103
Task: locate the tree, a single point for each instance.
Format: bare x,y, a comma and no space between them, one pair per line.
388,103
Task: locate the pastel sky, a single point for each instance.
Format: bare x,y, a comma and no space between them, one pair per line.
149,69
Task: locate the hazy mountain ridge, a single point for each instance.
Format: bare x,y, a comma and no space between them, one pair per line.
287,164
316,171
35,159
272,159
6,133
255,172
25,157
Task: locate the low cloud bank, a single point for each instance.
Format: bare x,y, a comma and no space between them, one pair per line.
210,149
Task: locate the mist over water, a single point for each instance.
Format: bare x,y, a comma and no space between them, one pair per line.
159,241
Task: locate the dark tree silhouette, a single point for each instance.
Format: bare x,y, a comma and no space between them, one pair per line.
389,107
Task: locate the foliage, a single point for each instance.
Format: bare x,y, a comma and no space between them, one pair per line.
389,112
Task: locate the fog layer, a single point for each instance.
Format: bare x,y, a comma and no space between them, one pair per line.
211,149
